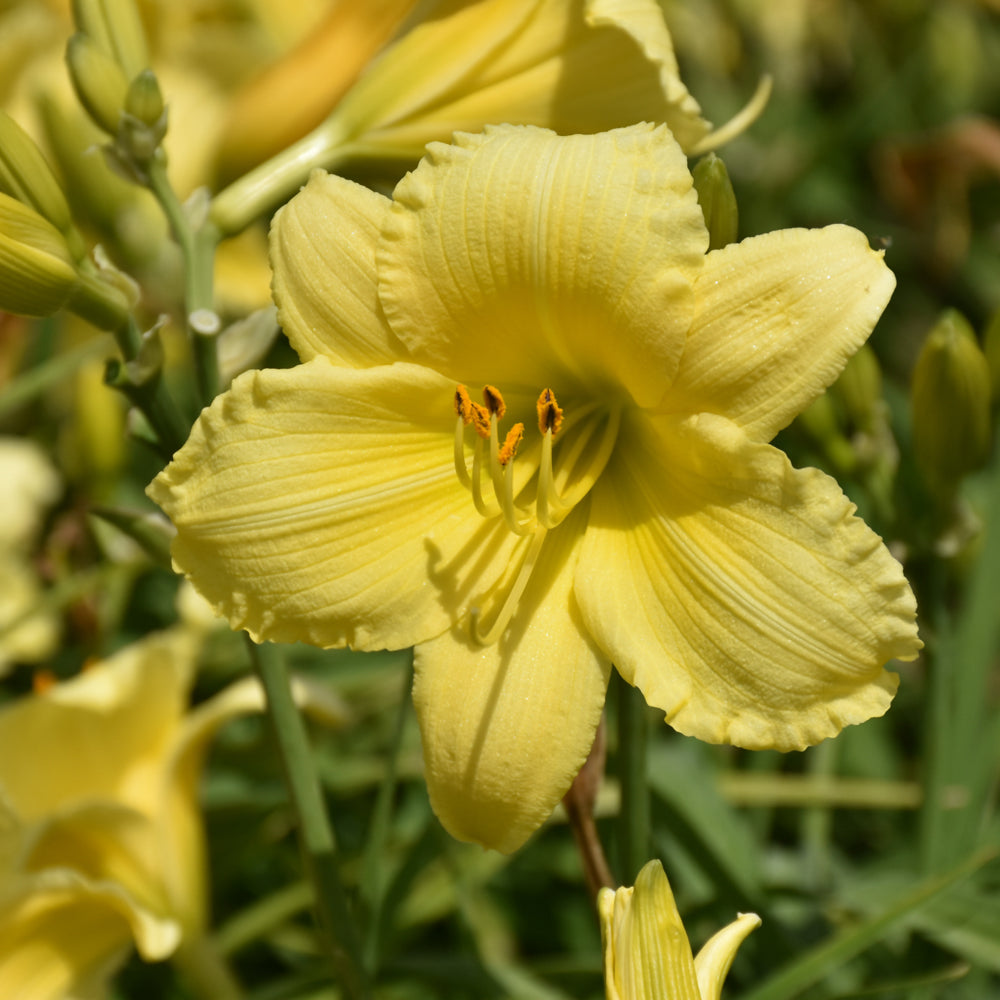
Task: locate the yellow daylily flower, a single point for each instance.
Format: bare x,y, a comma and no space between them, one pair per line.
644,519
101,842
646,951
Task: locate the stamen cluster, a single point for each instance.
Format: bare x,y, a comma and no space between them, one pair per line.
553,501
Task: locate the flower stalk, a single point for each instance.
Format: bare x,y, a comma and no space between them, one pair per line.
633,814
319,851
198,241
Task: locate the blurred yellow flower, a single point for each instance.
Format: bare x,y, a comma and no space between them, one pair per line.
646,951
570,65
28,630
100,830
642,519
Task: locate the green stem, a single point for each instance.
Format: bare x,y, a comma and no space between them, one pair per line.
817,819
31,384
198,245
372,871
148,392
633,817
337,923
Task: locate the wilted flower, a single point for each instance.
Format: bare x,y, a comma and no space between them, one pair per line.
629,512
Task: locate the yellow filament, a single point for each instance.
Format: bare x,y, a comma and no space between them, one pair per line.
482,505
461,468
496,468
506,612
552,506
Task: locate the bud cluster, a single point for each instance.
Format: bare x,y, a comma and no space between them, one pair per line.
109,66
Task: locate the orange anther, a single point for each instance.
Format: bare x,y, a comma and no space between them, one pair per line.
494,401
463,404
481,420
550,414
510,444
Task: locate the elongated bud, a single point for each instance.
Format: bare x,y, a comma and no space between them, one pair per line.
717,200
99,81
37,274
950,400
26,175
116,28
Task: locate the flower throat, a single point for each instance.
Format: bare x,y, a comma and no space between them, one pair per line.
556,493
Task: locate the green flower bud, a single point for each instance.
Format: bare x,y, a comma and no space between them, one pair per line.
859,387
717,200
142,126
116,28
144,99
98,80
37,274
950,402
991,348
819,420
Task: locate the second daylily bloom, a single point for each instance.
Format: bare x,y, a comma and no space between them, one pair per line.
455,65
101,842
612,498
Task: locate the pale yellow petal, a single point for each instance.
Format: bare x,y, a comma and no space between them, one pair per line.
321,504
712,962
520,257
776,319
570,65
60,932
323,255
506,727
102,734
748,602
105,842
643,22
